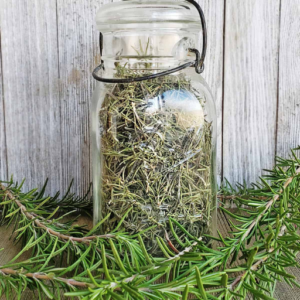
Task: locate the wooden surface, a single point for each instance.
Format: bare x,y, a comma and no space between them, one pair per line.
31,90
250,87
78,49
3,160
50,47
289,83
283,291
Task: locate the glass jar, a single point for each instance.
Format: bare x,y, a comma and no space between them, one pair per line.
153,130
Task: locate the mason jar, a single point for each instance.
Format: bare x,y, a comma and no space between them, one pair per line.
153,122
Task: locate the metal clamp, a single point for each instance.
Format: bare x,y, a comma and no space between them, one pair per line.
198,63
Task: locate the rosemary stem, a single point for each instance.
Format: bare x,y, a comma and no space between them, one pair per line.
269,204
40,224
41,276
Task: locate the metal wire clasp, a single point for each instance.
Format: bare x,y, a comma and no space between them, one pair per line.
198,63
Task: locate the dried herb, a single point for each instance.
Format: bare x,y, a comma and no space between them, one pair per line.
156,163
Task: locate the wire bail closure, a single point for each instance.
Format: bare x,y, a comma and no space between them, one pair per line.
198,63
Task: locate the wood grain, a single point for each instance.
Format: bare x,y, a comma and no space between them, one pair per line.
32,105
77,55
78,51
3,162
284,291
289,83
250,93
49,49
213,74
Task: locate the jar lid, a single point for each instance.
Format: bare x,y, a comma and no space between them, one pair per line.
151,14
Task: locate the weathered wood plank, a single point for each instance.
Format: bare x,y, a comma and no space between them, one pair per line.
250,87
78,51
283,290
32,107
213,74
289,83
3,163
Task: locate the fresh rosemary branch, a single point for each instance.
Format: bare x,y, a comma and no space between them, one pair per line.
255,266
263,244
43,225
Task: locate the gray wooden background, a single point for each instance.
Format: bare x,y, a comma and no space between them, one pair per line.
49,48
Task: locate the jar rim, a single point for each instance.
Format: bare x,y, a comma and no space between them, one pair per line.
132,14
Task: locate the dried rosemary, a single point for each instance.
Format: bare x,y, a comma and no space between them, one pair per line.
156,158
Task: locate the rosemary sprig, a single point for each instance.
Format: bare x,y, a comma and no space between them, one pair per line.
264,243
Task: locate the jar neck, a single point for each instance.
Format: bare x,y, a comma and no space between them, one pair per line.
150,49
149,63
